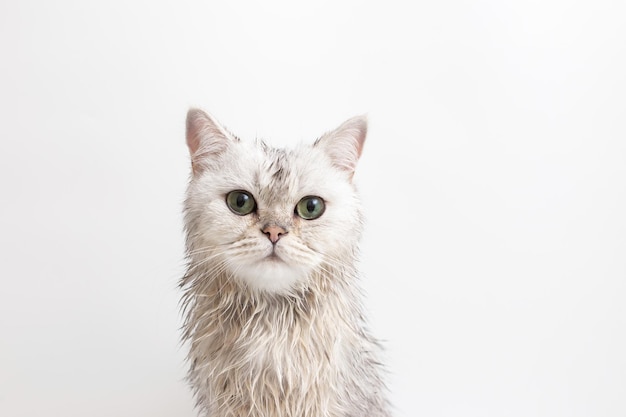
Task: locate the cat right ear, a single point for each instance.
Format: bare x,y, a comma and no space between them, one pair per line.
206,139
345,144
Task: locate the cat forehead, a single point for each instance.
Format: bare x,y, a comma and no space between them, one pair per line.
286,170
277,164
276,173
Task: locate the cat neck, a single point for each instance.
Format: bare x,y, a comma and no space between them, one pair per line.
226,302
247,345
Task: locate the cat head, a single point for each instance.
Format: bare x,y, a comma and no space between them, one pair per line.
272,218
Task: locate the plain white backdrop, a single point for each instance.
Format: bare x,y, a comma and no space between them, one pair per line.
493,178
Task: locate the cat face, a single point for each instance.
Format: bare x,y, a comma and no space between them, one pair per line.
271,218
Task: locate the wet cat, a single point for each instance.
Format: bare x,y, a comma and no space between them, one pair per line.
272,304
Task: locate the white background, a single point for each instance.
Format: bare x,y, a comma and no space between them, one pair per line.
494,182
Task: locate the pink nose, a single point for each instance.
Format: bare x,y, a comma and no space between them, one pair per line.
274,232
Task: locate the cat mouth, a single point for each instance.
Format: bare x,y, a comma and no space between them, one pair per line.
273,257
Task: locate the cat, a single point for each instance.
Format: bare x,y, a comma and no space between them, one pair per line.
271,301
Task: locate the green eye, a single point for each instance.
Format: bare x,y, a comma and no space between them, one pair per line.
240,202
310,207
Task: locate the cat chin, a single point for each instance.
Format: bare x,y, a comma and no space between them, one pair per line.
272,275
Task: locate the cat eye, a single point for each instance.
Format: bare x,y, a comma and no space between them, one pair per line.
240,202
310,207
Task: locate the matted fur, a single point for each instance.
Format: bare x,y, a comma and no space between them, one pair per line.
276,329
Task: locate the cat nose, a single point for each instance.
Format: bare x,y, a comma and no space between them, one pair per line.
274,232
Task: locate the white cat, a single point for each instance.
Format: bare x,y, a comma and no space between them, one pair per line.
272,307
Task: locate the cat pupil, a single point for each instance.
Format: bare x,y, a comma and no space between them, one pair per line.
241,200
310,205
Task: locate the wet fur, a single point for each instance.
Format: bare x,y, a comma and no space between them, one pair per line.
285,339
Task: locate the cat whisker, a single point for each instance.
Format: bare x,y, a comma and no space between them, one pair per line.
204,249
205,260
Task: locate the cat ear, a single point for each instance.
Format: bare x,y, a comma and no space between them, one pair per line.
345,144
206,138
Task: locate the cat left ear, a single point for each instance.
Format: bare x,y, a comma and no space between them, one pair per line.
345,144
206,138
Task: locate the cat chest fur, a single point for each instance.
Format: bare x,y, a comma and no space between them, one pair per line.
271,359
